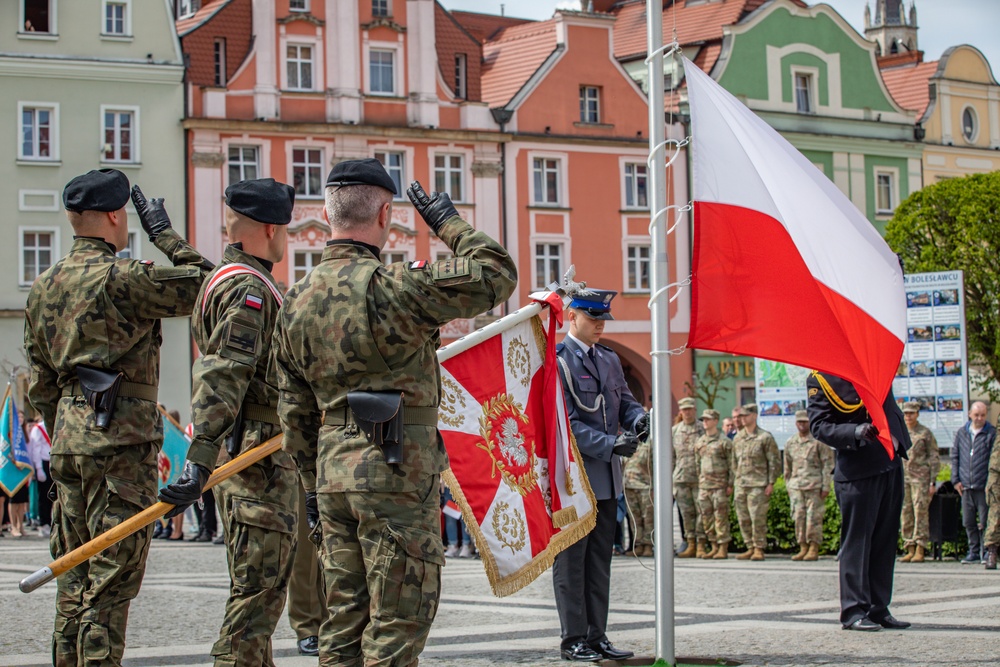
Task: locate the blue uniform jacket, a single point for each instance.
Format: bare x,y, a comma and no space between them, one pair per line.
596,430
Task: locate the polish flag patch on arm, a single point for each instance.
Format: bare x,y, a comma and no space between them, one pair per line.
254,301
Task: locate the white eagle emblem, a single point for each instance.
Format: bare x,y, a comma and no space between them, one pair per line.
512,442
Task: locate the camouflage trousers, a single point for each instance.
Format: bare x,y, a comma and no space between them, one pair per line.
686,496
714,506
808,508
751,510
640,507
382,557
991,534
915,516
95,494
258,511
306,592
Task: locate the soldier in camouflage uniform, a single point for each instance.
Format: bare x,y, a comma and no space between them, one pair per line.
715,461
94,310
685,434
356,325
758,465
919,474
637,479
808,476
991,534
233,397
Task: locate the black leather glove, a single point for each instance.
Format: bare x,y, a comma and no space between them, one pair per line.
642,427
312,518
434,209
625,445
865,433
152,215
187,489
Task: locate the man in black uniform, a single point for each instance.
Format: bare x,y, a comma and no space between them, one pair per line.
869,488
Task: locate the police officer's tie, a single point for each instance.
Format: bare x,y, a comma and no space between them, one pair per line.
593,355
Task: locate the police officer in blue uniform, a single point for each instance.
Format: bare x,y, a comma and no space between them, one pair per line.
605,418
869,488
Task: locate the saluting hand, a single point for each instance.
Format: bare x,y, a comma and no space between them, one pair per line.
152,215
434,209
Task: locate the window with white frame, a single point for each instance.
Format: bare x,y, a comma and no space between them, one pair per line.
299,66
116,18
395,165
38,250
546,180
380,8
307,171
590,104
305,261
395,256
120,135
131,250
381,68
636,180
448,175
548,264
37,16
243,163
184,8
298,5
970,125
219,61
637,263
461,63
38,132
885,192
803,92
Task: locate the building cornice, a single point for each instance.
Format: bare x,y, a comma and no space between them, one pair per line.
109,71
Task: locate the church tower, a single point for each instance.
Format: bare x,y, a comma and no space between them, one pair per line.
892,29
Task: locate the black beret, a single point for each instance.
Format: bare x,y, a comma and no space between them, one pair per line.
97,190
368,171
264,200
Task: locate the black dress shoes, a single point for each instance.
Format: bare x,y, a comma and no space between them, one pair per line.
580,652
309,646
892,623
864,624
608,650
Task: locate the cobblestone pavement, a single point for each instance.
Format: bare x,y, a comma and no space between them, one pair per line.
774,612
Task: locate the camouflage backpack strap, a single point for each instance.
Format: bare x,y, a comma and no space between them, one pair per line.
231,270
835,400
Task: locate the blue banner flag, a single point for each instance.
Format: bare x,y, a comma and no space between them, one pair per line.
15,465
170,461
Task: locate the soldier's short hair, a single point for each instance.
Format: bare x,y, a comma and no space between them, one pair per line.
356,206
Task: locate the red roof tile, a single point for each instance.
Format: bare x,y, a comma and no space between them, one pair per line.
450,39
207,11
229,20
909,86
485,26
513,56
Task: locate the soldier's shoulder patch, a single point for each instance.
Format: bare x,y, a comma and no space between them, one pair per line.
253,301
813,391
147,262
242,337
456,267
418,265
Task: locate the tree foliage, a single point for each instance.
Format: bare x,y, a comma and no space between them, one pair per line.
707,387
955,225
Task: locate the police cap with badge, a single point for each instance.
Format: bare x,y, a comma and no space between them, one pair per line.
103,190
264,200
594,303
367,171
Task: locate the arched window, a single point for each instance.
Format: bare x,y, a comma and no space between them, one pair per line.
970,124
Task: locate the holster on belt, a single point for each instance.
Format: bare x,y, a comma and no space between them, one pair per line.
100,389
379,415
235,438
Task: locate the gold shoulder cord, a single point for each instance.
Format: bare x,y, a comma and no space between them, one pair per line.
836,401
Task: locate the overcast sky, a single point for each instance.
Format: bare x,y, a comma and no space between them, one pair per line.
942,23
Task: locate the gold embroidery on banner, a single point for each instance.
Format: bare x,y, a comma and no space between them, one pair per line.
509,528
513,457
452,402
519,361
541,339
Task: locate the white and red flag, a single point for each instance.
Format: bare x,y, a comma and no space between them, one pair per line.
785,267
515,470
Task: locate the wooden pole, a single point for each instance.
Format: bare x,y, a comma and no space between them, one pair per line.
141,520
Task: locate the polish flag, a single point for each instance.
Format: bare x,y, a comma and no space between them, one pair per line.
785,266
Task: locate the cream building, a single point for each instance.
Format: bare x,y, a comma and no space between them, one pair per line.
86,84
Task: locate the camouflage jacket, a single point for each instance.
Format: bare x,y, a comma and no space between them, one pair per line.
93,309
684,437
808,464
925,461
232,327
638,470
758,462
715,459
354,324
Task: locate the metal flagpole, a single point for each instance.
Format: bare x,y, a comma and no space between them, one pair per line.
660,313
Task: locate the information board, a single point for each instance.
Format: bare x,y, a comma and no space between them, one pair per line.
781,390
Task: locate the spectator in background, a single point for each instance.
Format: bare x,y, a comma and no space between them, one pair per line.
970,458
728,429
39,450
451,526
175,526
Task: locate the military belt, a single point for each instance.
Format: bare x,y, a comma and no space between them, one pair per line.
412,416
144,392
260,413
